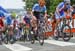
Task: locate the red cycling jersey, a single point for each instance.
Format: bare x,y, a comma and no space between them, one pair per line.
1,23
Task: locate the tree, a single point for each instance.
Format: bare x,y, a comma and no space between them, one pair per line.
72,2
48,5
53,5
29,3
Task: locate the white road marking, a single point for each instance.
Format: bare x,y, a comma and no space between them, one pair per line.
59,43
17,47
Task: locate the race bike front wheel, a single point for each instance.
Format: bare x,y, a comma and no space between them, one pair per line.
66,32
41,36
32,36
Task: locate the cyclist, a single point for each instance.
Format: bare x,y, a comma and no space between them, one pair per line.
9,26
27,18
2,26
2,16
73,15
37,8
59,13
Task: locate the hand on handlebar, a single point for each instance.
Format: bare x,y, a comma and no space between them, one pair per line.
34,18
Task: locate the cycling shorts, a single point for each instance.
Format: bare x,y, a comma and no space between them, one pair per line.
59,17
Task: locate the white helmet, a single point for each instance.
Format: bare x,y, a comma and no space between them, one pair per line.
67,1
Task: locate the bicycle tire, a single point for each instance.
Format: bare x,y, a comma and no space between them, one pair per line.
5,39
1,39
24,36
12,40
64,34
32,38
41,36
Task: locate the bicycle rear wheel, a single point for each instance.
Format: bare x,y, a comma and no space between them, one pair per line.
5,39
66,32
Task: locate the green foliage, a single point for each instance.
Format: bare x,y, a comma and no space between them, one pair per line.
53,5
29,3
48,5
72,2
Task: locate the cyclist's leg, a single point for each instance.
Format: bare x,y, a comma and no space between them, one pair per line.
57,22
33,24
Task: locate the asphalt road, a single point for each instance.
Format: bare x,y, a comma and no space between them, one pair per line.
49,45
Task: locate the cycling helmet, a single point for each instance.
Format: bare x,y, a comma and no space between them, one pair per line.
67,1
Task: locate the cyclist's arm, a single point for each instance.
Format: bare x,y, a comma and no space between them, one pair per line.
45,14
57,11
60,6
32,13
45,11
33,9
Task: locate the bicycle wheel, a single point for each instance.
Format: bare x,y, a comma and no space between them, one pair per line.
32,38
1,39
12,39
5,39
27,32
66,32
41,33
24,36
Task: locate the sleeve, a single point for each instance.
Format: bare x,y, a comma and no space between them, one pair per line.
45,9
60,6
33,9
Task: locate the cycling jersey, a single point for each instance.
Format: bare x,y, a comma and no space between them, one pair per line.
37,9
8,20
61,7
27,18
1,14
1,23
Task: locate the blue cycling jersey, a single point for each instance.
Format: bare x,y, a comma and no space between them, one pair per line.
61,7
2,14
8,20
37,8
